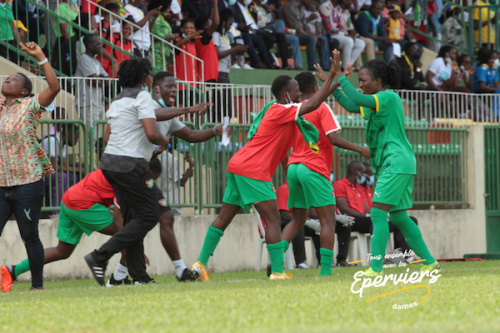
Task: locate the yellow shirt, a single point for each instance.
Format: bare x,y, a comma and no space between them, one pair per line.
485,14
394,29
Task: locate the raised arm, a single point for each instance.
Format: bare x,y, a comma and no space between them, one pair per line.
48,94
315,101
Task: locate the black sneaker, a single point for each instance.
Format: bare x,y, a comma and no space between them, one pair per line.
186,276
112,282
140,282
97,270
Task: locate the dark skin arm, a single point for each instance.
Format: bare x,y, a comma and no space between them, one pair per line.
190,135
152,133
344,208
169,113
215,19
339,141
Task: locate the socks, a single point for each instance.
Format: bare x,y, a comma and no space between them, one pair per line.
412,235
121,272
326,261
380,237
179,266
286,245
277,257
21,268
211,241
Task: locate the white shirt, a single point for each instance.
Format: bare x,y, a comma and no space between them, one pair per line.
51,145
141,38
127,133
223,44
248,17
442,71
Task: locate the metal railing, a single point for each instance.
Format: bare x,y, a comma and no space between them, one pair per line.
63,53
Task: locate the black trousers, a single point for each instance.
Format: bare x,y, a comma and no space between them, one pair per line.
141,204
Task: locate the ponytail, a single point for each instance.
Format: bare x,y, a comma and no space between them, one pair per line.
393,74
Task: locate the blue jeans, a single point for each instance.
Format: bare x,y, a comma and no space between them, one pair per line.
291,40
324,50
387,49
25,201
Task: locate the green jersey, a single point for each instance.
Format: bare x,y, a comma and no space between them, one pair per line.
390,150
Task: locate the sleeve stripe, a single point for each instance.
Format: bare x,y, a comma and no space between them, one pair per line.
377,108
298,109
362,112
335,120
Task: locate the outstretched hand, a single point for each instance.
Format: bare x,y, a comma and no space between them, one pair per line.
349,69
321,75
335,60
200,108
32,49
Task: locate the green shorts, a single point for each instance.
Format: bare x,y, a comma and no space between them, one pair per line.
308,188
73,223
394,190
243,191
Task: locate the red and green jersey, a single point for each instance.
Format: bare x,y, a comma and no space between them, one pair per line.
276,133
92,189
326,122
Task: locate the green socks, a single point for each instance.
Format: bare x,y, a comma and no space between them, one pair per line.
211,240
286,245
22,267
326,261
380,238
413,235
276,254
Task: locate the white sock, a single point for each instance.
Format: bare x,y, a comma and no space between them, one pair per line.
121,272
179,266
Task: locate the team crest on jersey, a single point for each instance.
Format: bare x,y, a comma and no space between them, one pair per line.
150,183
163,202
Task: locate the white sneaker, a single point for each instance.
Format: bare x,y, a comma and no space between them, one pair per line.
302,265
247,66
236,66
291,31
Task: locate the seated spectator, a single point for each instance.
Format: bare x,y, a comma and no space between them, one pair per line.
485,77
123,41
110,64
412,77
464,71
89,97
63,57
261,39
299,250
355,200
142,38
67,173
451,29
266,19
370,25
484,21
293,15
194,8
205,49
313,18
338,23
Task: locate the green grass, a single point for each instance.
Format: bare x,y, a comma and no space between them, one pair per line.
466,298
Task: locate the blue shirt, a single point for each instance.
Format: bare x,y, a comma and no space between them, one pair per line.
485,74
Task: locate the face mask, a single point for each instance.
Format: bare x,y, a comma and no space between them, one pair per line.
231,2
144,88
448,60
496,63
162,103
51,107
247,2
361,180
263,2
223,31
332,177
289,101
73,2
183,35
370,180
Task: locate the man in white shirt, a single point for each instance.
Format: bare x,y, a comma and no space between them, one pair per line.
142,38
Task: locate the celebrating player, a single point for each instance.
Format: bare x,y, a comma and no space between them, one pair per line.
392,157
251,168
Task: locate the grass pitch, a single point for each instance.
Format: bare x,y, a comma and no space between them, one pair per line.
466,298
